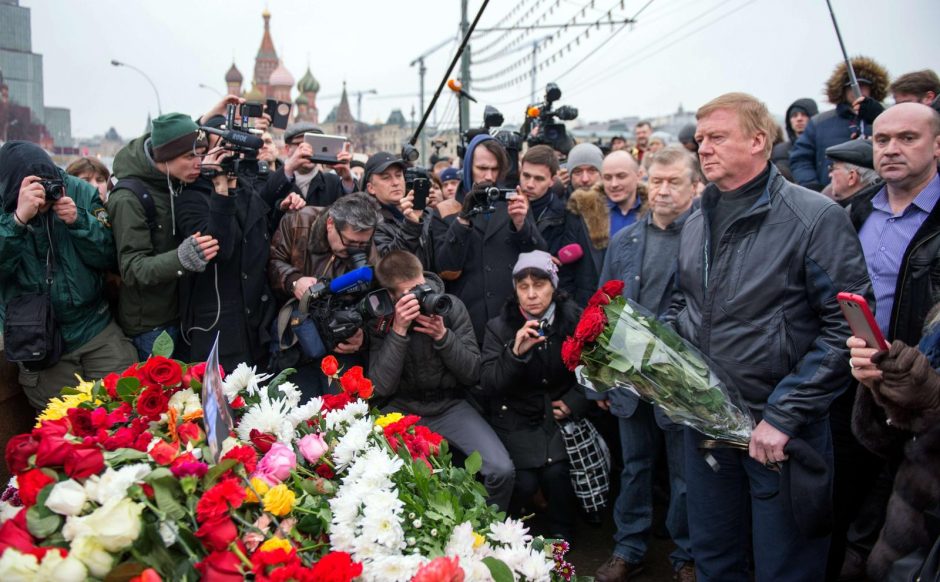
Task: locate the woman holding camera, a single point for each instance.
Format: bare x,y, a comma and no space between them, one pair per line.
529,388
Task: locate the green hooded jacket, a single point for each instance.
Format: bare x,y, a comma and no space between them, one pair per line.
83,251
150,267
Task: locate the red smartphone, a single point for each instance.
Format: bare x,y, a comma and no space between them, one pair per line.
860,318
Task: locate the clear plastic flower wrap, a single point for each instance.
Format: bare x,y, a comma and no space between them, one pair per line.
635,351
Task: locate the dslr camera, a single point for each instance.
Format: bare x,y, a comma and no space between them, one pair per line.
541,125
54,188
431,303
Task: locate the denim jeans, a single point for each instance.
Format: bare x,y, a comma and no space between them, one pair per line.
144,341
738,508
633,511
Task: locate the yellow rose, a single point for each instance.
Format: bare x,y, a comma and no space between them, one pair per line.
259,485
390,418
275,543
279,500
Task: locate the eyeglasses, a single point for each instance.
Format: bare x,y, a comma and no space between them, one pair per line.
353,244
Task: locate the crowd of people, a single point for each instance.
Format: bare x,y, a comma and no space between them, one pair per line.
740,236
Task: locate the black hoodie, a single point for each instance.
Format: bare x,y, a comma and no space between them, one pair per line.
19,159
781,152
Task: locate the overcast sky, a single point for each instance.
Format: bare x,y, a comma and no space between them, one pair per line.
679,51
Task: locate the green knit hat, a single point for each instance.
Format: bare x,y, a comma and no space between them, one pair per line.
173,135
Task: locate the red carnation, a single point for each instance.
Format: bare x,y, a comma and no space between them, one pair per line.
84,461
440,569
163,371
216,501
261,440
591,325
30,484
217,533
336,567
335,401
221,567
613,288
571,352
329,366
19,449
110,384
152,402
244,455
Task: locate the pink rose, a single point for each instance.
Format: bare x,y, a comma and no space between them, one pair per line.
276,464
312,447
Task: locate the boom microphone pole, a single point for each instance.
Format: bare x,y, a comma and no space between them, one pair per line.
852,78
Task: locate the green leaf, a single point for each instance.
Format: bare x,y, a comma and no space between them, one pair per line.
473,463
128,388
498,570
124,571
121,456
165,491
217,470
40,521
163,345
281,377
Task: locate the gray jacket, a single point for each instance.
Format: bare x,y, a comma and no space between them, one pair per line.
764,308
624,261
421,376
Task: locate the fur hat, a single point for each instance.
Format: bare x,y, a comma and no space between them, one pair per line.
865,68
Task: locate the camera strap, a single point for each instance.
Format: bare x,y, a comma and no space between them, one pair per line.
50,254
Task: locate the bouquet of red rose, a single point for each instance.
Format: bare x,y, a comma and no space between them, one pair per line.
618,344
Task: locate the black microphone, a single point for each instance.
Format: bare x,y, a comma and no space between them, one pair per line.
239,138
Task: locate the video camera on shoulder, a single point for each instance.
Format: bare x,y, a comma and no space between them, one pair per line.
542,119
238,138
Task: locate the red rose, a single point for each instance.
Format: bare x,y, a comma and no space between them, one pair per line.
110,384
261,440
148,575
163,452
52,451
325,471
220,567
336,567
19,449
164,371
83,462
599,298
14,534
30,484
613,288
571,352
80,419
217,533
188,431
239,402
123,438
355,384
335,401
591,325
329,366
152,402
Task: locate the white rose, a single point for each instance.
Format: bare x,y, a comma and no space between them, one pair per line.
58,569
115,524
8,511
15,566
91,553
113,484
67,498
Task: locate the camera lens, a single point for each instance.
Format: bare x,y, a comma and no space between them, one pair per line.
435,304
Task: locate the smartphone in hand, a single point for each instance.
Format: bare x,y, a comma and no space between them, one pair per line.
861,320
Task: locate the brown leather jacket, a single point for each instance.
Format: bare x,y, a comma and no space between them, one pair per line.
300,248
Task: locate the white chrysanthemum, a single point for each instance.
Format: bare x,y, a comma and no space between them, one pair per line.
185,402
290,392
475,571
113,483
373,470
535,566
346,415
305,412
392,568
345,508
342,538
461,541
510,532
169,532
269,415
241,378
383,528
383,501
352,443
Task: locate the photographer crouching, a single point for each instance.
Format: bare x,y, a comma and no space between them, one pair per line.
55,246
429,360
309,247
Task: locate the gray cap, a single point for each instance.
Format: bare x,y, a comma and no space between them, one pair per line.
539,260
857,152
585,154
300,128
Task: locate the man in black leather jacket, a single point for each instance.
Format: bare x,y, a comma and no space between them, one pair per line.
759,269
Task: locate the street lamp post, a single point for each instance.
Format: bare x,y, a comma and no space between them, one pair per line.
213,89
117,63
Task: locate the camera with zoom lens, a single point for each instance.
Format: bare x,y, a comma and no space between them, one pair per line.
542,118
239,139
485,199
339,317
54,188
431,303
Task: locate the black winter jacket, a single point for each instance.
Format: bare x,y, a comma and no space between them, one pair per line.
421,376
764,308
234,287
918,286
477,261
519,391
324,190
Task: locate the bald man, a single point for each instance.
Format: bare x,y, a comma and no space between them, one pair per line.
620,176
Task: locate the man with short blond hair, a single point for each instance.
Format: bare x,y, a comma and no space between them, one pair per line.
758,272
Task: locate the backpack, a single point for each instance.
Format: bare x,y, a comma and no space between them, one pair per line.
146,200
